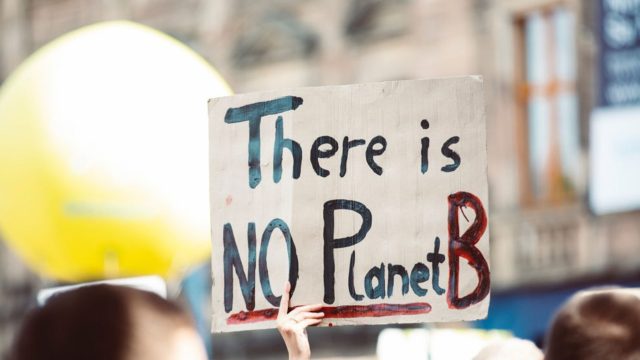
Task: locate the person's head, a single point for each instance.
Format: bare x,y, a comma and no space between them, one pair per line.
107,322
596,325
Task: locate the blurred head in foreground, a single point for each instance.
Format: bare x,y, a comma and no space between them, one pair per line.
596,325
108,322
510,349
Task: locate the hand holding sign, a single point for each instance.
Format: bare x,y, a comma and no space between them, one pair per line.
387,225
293,325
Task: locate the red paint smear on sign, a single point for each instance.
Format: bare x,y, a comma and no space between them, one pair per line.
336,312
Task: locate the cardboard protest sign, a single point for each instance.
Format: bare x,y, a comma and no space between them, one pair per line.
371,199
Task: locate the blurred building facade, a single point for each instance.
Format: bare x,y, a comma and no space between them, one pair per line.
538,59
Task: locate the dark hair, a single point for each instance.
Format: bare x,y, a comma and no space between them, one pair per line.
600,325
93,322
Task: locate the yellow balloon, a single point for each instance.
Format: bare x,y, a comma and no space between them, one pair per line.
104,155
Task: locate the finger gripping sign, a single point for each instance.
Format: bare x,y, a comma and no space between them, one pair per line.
370,199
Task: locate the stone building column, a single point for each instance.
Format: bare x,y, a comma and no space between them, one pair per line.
14,35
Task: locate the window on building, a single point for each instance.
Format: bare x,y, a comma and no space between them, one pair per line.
548,108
